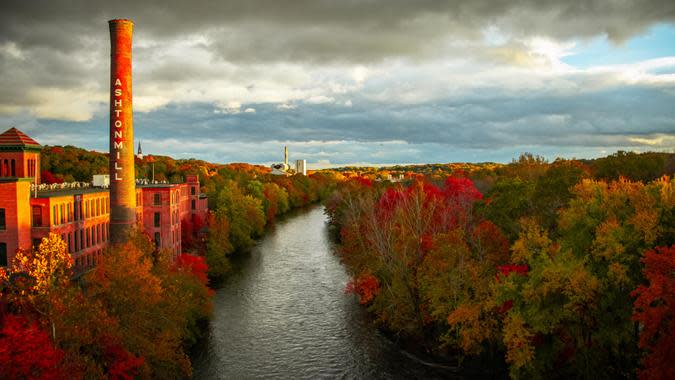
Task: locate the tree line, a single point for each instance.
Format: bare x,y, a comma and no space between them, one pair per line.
549,268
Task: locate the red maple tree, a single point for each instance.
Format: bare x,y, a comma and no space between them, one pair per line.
654,308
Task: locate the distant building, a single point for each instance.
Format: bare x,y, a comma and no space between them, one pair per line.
101,180
282,168
81,215
301,167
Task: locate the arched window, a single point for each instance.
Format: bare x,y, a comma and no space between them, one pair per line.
13,168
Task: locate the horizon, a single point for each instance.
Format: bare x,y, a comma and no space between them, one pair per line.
345,84
325,166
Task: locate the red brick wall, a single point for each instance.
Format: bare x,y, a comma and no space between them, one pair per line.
14,198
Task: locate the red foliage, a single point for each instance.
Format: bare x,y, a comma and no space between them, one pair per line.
49,178
654,308
366,286
122,365
363,181
195,265
491,241
27,352
427,242
506,270
505,307
389,201
461,189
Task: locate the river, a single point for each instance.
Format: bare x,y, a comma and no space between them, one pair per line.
283,314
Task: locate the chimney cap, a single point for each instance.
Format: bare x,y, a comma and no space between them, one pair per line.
120,21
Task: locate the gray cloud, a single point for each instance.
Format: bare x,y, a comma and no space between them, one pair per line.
430,79
354,31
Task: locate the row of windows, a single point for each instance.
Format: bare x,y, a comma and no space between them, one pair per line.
175,237
175,197
67,212
8,168
84,238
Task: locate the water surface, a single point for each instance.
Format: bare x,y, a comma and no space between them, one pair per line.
283,314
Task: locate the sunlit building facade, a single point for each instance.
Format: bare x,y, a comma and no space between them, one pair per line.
81,215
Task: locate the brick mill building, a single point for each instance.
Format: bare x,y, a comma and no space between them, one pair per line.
81,215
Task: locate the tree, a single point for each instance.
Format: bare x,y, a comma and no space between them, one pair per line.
124,282
26,352
654,308
218,245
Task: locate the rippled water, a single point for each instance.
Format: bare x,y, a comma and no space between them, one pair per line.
283,314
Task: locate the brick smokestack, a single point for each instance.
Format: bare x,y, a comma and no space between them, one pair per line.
122,171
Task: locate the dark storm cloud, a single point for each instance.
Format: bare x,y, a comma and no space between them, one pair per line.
353,31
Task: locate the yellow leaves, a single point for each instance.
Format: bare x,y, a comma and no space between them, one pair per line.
532,241
474,326
50,265
608,242
618,274
582,290
666,190
518,341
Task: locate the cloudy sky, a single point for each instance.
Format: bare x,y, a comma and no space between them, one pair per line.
371,81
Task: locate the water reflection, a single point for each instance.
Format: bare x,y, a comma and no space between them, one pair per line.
283,314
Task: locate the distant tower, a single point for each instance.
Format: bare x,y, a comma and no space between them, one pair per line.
140,151
122,176
301,167
286,156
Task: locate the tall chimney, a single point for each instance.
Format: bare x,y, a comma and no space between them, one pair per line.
122,172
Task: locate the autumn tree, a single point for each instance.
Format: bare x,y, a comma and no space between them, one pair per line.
654,308
125,284
27,352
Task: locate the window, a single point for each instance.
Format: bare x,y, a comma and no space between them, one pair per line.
36,242
157,219
37,216
157,240
193,190
3,254
13,168
194,204
3,223
55,216
75,235
88,241
157,198
70,247
63,214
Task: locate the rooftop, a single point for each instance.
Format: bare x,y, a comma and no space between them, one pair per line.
15,138
70,191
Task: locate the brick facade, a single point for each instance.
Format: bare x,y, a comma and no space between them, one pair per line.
81,216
